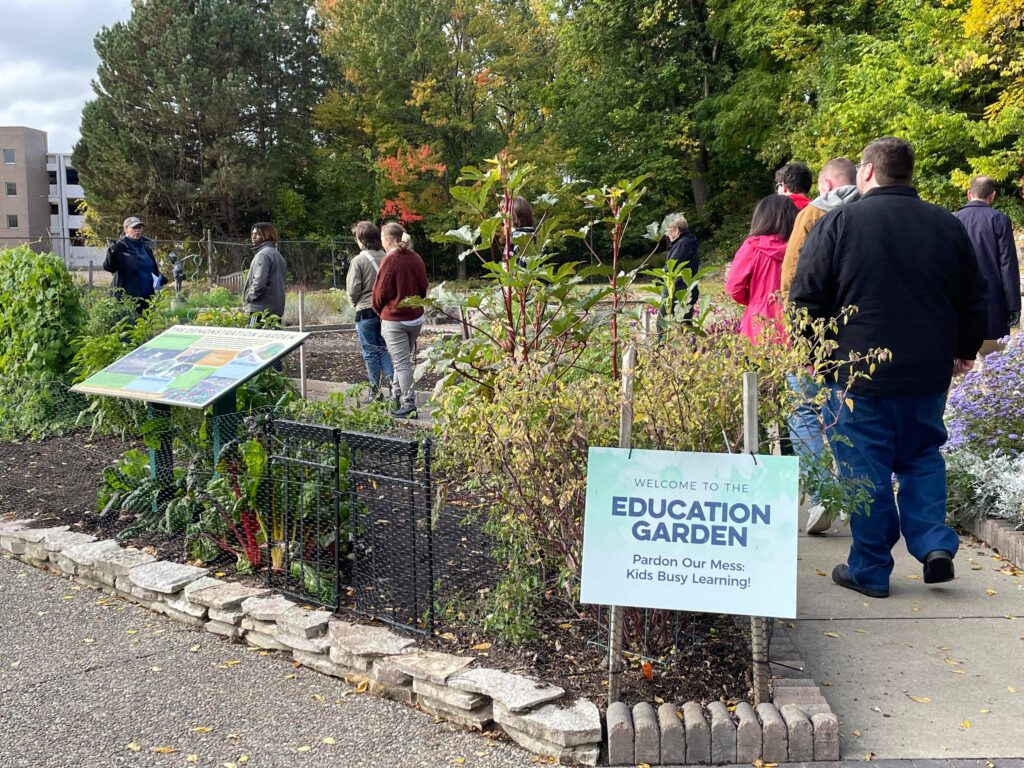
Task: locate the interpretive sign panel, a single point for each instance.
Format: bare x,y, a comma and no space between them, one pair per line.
705,532
190,365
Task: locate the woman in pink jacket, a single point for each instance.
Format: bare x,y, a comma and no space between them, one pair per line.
756,272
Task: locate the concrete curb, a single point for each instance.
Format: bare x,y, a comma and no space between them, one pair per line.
1000,535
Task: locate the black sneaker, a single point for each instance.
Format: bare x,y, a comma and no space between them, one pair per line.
407,411
938,567
841,576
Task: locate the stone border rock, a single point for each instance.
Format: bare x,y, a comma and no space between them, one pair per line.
797,727
1001,535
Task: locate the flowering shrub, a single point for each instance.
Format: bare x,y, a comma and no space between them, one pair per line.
985,451
985,411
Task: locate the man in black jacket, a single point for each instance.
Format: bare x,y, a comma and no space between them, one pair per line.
992,235
133,263
910,270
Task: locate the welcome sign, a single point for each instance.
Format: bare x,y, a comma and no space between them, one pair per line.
704,532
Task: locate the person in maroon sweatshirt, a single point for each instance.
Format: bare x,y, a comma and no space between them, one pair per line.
402,275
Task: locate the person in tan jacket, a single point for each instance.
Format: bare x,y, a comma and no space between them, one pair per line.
837,185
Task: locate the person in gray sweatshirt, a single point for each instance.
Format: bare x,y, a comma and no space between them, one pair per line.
362,273
837,185
264,289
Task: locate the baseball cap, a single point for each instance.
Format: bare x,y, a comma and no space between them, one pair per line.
132,221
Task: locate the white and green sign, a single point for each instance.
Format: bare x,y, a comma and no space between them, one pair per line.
705,532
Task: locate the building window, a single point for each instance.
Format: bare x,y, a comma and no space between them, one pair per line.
11,188
76,206
71,176
12,221
8,157
76,238
53,177
54,209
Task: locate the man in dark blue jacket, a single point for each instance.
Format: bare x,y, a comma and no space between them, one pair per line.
992,235
132,261
910,270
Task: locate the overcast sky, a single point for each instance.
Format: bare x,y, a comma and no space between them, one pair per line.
47,62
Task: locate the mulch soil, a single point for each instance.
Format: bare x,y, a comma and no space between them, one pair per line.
335,356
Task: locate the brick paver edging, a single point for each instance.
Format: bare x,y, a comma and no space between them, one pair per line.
1000,535
798,726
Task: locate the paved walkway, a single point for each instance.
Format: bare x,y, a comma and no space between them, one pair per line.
957,648
92,681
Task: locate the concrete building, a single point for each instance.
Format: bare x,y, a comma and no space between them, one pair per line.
24,187
41,201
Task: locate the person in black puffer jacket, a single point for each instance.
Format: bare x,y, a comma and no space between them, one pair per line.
133,263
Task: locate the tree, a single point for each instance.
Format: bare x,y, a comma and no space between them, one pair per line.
202,109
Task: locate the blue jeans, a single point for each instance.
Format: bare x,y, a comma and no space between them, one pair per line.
889,436
375,352
805,427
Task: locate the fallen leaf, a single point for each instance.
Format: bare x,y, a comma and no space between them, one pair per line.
819,572
869,757
643,765
975,567
202,729
991,592
658,700
986,711
943,647
191,758
15,664
163,750
448,636
679,714
957,671
304,748
1011,689
856,733
131,631
832,634
318,697
243,758
131,745
480,647
88,640
861,631
290,676
194,649
459,760
228,765
951,662
328,741
363,686
156,669
230,662
219,574
919,699
913,576
965,725
565,626
647,670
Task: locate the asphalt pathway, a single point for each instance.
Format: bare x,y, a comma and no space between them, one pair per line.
932,670
92,681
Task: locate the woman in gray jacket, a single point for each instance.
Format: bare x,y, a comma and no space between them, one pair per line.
264,286
362,273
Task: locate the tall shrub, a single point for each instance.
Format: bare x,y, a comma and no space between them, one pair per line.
40,314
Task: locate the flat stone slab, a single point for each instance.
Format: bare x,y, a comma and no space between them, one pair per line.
448,696
36,535
432,666
227,630
299,622
182,605
13,526
227,596
224,617
308,644
320,663
574,725
199,584
363,640
86,554
61,540
515,692
165,577
120,562
583,754
266,608
267,642
476,718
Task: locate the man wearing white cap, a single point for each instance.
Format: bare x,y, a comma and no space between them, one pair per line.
133,263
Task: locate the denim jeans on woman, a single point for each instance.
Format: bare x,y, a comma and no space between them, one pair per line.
805,427
401,341
375,351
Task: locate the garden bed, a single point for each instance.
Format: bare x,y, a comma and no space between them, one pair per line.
336,356
55,482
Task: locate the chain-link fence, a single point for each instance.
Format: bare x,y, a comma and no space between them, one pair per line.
312,264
